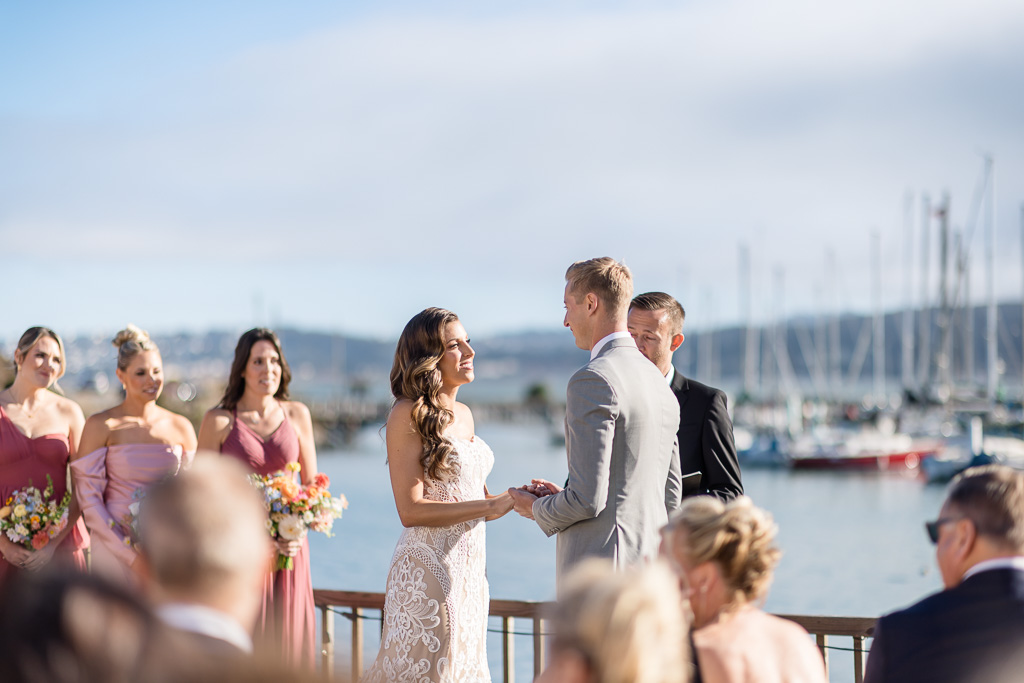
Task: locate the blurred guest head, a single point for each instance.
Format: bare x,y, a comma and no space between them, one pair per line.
618,627
656,323
981,519
724,553
58,627
259,367
204,540
73,627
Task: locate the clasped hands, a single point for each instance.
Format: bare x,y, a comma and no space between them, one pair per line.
523,497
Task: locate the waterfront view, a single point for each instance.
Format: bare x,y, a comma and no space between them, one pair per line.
853,543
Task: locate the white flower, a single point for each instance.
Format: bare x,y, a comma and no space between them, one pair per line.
291,528
276,516
307,517
133,509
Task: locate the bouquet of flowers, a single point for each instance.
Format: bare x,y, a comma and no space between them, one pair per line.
130,519
31,519
295,509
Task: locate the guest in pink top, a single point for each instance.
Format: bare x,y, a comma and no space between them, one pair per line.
256,423
39,432
125,450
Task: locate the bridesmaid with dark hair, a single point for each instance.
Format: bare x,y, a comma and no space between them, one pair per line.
256,423
39,432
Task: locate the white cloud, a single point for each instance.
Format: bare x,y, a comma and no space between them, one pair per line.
491,145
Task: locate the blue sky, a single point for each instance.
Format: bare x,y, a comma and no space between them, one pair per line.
340,166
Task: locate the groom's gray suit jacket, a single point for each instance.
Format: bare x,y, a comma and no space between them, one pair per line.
621,420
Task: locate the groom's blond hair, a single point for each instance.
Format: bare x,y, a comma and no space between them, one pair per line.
608,279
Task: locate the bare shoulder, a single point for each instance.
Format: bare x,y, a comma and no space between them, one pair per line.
95,432
71,412
217,420
100,422
464,420
400,417
218,415
296,410
182,425
69,408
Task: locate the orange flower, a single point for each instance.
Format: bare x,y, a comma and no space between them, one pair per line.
40,540
289,489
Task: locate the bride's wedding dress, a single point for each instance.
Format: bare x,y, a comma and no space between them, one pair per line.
436,604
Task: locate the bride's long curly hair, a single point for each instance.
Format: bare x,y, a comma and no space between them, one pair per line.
415,376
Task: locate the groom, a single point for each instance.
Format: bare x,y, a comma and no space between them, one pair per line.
621,420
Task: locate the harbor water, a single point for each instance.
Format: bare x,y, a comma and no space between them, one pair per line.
853,544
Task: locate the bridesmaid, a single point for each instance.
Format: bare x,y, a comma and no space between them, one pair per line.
126,449
256,423
39,432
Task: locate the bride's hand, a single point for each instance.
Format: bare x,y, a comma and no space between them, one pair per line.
501,505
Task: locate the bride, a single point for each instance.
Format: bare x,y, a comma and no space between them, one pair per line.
435,609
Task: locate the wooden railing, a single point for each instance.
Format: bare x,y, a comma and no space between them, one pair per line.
357,603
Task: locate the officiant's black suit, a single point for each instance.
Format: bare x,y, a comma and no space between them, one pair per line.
705,438
956,635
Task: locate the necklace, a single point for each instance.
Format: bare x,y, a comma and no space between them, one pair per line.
22,406
257,417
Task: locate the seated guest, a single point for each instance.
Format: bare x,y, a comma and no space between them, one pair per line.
974,627
205,549
724,554
618,627
58,626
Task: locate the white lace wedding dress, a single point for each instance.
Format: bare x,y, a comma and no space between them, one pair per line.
435,609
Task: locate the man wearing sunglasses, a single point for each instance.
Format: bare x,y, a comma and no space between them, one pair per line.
974,629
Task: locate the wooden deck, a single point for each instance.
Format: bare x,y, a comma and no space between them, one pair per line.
356,606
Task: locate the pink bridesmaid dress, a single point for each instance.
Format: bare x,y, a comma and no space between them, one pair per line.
24,462
107,482
288,619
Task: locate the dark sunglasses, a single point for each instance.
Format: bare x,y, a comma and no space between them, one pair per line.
932,528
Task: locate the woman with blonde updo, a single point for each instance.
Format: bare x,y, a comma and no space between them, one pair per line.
125,450
618,627
39,432
725,554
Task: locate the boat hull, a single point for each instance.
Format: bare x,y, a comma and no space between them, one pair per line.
872,462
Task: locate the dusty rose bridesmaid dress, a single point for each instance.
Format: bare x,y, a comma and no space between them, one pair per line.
288,619
25,461
107,482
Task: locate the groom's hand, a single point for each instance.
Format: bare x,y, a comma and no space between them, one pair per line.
542,487
522,502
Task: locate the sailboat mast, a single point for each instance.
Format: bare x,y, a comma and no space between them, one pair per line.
907,364
835,343
945,328
878,341
751,345
925,357
993,330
